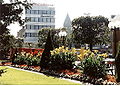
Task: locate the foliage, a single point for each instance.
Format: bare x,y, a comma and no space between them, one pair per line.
96,27
42,37
46,53
62,58
6,42
57,41
93,65
19,43
27,58
10,13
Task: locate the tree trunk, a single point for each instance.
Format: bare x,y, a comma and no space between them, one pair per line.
90,47
117,68
117,64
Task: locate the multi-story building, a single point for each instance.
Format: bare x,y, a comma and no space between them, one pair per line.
39,16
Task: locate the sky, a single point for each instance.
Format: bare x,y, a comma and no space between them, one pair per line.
77,8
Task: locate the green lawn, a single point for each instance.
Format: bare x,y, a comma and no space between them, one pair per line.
18,77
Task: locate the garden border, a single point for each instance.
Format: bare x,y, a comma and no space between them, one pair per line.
45,75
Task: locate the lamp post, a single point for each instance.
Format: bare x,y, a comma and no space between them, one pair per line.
63,34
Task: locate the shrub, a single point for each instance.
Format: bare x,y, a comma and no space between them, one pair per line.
27,58
93,65
62,58
20,59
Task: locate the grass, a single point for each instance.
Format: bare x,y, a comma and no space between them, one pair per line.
18,77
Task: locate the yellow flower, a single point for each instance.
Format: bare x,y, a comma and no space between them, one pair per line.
52,52
80,57
23,53
82,52
92,54
73,50
105,55
95,51
62,47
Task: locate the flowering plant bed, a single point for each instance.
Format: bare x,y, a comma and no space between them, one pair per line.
26,67
61,63
73,75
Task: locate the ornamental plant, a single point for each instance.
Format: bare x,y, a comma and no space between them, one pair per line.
62,58
84,53
27,58
93,64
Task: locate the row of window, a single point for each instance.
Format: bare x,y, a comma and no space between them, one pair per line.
31,35
52,12
37,27
36,19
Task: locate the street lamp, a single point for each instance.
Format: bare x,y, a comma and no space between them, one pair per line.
63,34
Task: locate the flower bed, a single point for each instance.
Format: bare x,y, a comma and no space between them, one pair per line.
26,67
73,75
61,63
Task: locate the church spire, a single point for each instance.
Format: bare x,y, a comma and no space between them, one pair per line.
67,23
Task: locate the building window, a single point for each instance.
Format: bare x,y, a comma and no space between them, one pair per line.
32,27
28,26
36,19
36,11
48,12
39,19
39,11
32,11
34,35
53,12
36,26
32,19
43,19
52,20
48,20
28,11
44,12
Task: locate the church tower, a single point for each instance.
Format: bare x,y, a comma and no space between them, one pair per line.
68,24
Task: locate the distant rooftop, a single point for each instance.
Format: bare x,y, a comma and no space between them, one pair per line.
43,4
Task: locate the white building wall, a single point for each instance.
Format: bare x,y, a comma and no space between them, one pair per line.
40,16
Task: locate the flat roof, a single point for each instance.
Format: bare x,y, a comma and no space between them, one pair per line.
42,4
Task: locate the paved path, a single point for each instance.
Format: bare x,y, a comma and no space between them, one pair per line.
44,74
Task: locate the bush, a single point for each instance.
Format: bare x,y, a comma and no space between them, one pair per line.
62,58
27,58
94,66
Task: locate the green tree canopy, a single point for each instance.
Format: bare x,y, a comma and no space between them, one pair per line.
91,30
42,37
9,13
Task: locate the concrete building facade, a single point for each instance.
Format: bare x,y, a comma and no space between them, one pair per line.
39,16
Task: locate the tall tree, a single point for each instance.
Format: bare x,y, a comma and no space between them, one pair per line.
45,59
10,13
91,30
